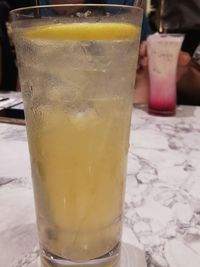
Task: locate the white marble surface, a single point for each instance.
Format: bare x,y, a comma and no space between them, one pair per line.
162,208
8,99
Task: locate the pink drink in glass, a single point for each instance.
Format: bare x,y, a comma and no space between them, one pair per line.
163,52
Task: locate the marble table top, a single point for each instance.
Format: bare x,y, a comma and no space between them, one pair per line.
162,207
8,99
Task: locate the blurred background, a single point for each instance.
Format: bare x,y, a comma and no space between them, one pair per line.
174,16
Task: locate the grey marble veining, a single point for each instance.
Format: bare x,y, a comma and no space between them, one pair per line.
162,207
8,99
163,187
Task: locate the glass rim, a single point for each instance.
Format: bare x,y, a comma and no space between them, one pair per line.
16,10
169,33
164,35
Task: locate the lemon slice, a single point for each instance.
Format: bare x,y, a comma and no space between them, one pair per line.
84,31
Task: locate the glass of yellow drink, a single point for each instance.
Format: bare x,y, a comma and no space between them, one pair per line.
77,71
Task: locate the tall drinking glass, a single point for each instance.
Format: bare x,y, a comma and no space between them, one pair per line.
77,67
163,52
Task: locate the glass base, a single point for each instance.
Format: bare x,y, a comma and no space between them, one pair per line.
162,112
130,257
111,259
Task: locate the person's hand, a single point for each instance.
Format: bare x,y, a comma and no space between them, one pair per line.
142,77
143,59
183,64
183,61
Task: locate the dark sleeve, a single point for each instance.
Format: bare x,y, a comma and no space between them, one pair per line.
4,11
20,3
9,70
188,87
146,29
181,15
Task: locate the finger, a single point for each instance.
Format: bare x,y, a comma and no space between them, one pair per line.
184,59
143,49
144,61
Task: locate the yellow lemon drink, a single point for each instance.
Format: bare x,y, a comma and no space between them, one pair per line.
77,82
